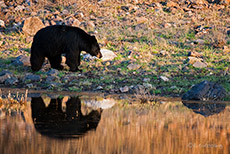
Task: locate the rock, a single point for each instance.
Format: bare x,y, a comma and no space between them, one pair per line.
19,8
2,24
146,80
76,23
163,53
164,78
65,12
205,91
199,64
88,57
124,89
148,85
4,75
133,66
90,24
22,60
139,87
99,88
195,54
54,85
52,72
49,79
5,72
11,81
107,55
30,85
141,20
192,60
171,4
32,78
199,41
32,25
167,25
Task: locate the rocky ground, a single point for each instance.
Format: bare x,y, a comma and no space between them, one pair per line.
161,47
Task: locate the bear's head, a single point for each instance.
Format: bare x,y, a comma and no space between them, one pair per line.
95,49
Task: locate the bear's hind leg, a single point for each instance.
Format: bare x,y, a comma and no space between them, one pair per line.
55,62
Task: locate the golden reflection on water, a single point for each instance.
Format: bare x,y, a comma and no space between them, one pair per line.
166,128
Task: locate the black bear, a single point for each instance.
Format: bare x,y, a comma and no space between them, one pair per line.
53,41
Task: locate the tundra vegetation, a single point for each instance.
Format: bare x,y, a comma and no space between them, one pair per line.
163,47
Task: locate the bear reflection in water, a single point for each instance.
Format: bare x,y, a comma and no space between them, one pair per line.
53,121
205,109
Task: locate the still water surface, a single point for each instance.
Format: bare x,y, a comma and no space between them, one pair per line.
85,125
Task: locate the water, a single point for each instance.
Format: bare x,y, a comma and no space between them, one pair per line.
65,124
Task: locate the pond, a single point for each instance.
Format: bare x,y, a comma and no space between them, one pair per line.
82,124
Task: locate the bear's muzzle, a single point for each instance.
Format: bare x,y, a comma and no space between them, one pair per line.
99,55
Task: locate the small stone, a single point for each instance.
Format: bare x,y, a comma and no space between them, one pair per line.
199,41
164,78
2,23
86,83
32,78
88,57
65,12
146,80
30,85
50,79
167,25
192,60
133,66
53,72
99,88
124,89
4,77
90,24
22,60
195,54
76,23
141,20
19,8
11,81
107,55
163,53
139,87
148,85
199,64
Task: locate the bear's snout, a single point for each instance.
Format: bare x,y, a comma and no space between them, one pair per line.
99,55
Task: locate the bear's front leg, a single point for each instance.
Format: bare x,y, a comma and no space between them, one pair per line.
72,60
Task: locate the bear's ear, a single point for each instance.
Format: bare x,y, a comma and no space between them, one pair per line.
93,36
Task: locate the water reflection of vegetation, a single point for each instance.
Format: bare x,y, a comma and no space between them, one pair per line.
165,128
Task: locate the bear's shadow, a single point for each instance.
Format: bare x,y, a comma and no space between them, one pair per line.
52,121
